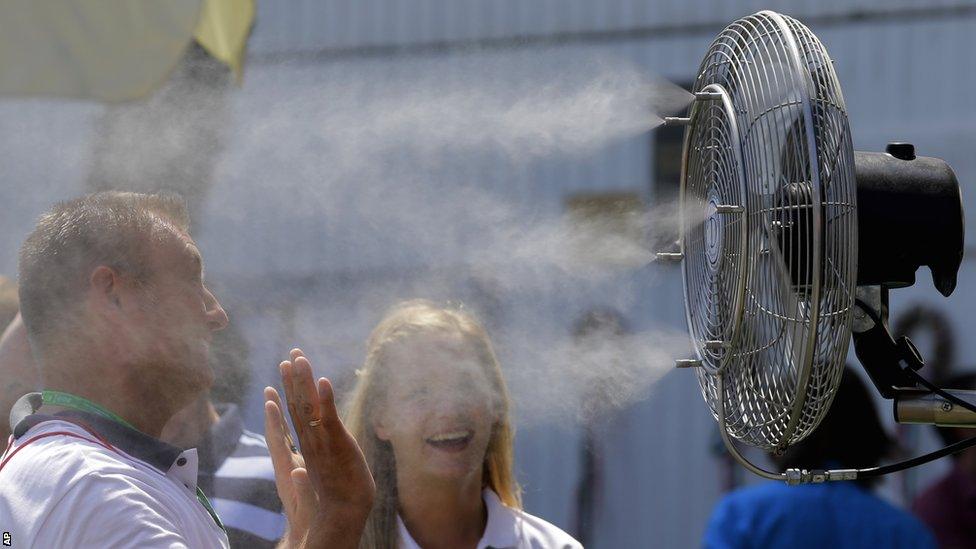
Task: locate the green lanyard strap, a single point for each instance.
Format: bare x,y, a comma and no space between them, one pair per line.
66,400
206,504
57,398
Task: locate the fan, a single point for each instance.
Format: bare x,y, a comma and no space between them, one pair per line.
790,241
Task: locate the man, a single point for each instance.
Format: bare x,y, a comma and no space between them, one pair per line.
839,514
119,322
948,506
236,471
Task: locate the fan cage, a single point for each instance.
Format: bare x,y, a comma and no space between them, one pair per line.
780,344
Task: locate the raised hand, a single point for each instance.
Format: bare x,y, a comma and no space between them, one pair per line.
324,483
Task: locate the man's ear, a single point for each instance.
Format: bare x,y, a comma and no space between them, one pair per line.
106,286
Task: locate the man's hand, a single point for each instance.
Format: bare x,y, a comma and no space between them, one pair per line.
324,484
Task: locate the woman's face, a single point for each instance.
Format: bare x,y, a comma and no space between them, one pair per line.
438,412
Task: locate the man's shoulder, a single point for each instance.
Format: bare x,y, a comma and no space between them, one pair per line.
55,450
748,497
771,510
63,479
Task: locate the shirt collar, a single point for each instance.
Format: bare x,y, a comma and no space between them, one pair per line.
163,456
501,530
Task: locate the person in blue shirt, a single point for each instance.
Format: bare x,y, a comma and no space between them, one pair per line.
836,515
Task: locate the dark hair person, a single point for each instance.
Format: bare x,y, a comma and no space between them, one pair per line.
432,414
235,468
120,321
838,514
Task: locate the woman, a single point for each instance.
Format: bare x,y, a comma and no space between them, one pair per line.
431,413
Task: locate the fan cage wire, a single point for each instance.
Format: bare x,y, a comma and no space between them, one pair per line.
716,254
781,369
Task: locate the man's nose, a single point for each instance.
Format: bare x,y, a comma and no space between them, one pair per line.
216,316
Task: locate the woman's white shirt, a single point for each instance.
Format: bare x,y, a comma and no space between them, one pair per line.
508,528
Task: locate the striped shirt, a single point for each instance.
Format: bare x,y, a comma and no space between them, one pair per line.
237,474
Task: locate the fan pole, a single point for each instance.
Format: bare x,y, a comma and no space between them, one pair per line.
932,409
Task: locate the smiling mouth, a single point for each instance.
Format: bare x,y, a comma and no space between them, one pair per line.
453,441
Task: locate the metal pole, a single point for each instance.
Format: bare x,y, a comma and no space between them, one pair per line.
931,409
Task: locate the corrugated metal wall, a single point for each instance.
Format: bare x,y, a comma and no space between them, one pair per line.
311,25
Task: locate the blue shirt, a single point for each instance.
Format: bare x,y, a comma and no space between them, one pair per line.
836,515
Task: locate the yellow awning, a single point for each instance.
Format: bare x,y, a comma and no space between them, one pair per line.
112,50
223,30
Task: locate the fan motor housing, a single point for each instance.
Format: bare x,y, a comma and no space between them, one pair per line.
909,215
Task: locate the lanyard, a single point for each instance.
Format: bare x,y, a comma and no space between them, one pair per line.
57,398
66,400
206,505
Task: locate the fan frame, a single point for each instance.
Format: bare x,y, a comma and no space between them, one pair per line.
804,81
715,92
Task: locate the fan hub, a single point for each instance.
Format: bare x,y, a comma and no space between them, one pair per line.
714,230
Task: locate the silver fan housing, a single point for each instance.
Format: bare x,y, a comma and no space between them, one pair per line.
768,230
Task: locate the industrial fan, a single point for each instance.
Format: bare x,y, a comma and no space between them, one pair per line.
790,242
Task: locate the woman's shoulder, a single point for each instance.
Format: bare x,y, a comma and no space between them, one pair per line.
522,529
540,533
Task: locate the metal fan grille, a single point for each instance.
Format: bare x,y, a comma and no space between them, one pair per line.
786,343
713,201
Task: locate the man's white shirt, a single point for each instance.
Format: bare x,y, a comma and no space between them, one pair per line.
70,490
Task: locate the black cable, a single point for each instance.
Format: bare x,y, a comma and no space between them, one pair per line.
933,389
919,460
911,371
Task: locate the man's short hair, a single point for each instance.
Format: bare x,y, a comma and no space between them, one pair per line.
9,303
107,228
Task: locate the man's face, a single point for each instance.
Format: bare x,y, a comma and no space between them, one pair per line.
175,317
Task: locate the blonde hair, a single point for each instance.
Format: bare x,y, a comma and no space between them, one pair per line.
9,303
405,320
